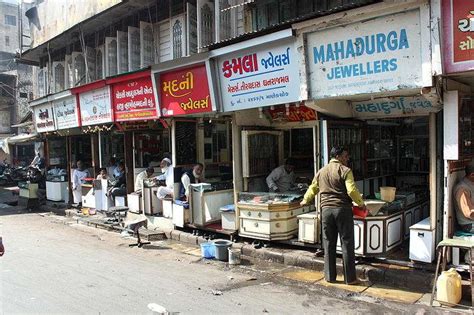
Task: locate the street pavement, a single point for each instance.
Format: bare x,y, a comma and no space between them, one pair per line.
54,267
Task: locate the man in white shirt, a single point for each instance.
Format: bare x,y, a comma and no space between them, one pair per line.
194,176
77,180
282,178
168,177
146,174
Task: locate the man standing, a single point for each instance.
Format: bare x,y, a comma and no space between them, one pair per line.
77,180
282,178
464,197
335,183
193,176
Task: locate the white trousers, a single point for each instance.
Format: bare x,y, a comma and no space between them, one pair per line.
77,195
163,191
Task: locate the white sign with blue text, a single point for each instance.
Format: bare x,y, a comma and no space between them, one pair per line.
396,107
374,56
257,77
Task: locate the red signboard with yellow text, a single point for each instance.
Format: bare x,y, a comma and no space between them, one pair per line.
458,31
185,91
133,98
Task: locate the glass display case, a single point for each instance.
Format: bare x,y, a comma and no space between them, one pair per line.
351,136
466,128
413,146
260,198
381,157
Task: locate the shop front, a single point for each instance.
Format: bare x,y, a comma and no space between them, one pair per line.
259,85
458,112
372,85
198,135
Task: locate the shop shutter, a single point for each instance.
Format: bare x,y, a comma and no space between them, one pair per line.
165,40
122,52
99,63
58,76
146,44
110,56
78,68
205,23
133,48
91,64
178,36
68,72
191,21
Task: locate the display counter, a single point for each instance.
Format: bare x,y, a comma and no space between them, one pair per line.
57,188
380,234
269,216
204,203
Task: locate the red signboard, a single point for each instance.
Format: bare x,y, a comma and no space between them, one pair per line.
458,25
133,99
185,91
293,113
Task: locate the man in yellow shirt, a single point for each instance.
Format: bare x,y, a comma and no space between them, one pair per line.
335,183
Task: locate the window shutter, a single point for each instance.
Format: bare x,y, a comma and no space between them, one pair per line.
78,68
133,48
40,83
225,31
146,44
156,42
58,76
99,63
68,72
110,56
122,52
178,36
191,21
165,40
90,69
205,23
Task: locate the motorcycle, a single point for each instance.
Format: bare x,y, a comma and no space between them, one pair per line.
13,175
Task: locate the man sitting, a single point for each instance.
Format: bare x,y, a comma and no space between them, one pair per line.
464,200
189,177
119,187
146,174
167,177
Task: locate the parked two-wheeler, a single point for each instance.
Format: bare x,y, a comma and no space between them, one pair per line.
13,175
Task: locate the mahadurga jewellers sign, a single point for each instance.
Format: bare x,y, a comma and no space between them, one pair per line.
44,120
366,57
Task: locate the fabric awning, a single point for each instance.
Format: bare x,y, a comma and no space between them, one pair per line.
22,138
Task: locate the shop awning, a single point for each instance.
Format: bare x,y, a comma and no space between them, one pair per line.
22,138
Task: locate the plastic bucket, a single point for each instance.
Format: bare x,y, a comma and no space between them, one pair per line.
234,256
207,250
387,193
221,247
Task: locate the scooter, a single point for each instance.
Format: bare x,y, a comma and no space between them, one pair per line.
11,176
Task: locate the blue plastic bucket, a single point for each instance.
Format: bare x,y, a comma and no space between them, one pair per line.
207,250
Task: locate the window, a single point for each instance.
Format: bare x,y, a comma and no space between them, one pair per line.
7,40
10,20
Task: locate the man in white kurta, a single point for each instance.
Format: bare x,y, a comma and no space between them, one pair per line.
77,180
146,174
167,177
282,178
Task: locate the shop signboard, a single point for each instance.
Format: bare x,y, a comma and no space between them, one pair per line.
260,76
134,100
44,120
293,113
396,107
66,113
185,91
95,106
458,28
383,54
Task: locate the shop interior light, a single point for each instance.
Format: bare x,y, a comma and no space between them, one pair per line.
287,107
272,107
260,112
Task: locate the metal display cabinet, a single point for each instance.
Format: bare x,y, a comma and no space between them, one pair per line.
205,204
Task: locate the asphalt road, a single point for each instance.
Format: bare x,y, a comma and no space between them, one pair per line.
53,268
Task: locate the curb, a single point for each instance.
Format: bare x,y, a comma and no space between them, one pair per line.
401,278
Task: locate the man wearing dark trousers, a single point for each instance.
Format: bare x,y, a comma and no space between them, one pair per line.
335,183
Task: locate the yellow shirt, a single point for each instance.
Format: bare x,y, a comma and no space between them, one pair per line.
351,188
